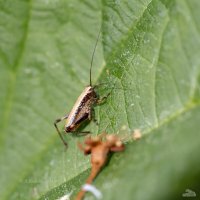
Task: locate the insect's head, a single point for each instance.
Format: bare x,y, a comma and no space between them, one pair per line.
91,91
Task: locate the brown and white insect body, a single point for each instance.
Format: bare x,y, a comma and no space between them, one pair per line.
83,108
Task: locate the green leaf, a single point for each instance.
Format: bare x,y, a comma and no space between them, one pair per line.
149,58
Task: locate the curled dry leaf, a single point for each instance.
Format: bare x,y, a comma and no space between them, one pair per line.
99,147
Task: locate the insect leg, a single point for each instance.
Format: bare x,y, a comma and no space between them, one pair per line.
91,116
59,133
81,133
102,100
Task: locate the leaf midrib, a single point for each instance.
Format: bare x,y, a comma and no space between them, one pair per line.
13,76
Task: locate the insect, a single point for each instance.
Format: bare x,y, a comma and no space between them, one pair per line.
83,108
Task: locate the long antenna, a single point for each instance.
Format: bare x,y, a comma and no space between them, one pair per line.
93,56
